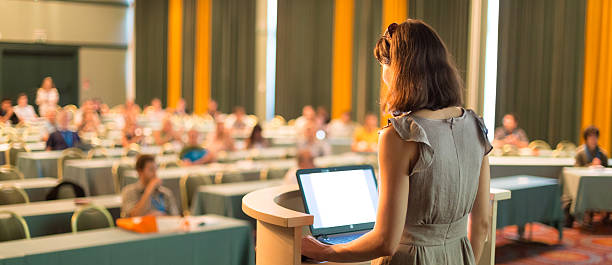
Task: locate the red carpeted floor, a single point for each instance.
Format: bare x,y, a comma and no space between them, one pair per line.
579,245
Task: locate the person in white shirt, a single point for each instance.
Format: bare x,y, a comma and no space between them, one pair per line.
309,116
47,96
342,127
24,111
305,160
313,142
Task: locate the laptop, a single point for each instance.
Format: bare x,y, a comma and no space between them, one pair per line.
343,200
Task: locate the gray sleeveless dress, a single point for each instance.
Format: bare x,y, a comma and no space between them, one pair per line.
443,187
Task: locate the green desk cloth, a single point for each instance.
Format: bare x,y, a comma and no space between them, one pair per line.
95,175
39,164
534,199
587,189
44,163
225,242
36,188
551,167
53,217
226,199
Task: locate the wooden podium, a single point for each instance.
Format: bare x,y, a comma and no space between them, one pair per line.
281,222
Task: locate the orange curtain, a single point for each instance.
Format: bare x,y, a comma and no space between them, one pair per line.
342,63
201,93
392,11
175,51
597,88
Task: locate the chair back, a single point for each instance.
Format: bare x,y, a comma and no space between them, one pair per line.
565,149
97,152
118,171
15,149
188,186
539,145
170,164
276,173
10,194
65,190
68,154
13,227
229,177
91,217
10,173
132,150
167,149
510,150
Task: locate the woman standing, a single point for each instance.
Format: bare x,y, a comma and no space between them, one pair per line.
434,169
47,96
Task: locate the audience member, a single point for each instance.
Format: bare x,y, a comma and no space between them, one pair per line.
510,133
342,127
7,114
167,134
213,108
256,139
308,117
24,111
47,96
590,154
155,111
131,132
147,196
236,121
310,141
49,124
62,138
181,108
220,139
322,115
90,123
366,136
305,160
193,153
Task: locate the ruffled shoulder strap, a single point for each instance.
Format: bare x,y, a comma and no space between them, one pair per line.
484,138
410,130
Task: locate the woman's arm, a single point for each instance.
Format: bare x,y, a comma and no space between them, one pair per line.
396,159
481,215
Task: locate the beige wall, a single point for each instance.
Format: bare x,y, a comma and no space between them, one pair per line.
104,70
100,30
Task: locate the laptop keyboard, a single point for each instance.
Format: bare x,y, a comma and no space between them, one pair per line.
340,239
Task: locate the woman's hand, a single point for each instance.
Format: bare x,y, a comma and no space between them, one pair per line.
314,249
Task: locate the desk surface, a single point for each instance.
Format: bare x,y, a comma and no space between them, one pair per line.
31,183
590,172
60,206
103,237
530,161
521,182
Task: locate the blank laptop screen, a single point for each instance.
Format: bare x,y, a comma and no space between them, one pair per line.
340,198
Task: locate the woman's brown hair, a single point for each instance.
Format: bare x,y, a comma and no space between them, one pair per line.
424,75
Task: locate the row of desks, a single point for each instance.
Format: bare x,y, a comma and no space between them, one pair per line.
207,244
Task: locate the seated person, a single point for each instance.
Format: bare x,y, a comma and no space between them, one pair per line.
147,196
90,123
220,139
213,108
308,116
590,154
24,111
317,147
167,134
155,111
181,108
236,121
342,127
193,153
510,133
256,139
7,114
131,132
305,160
365,138
49,124
62,138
